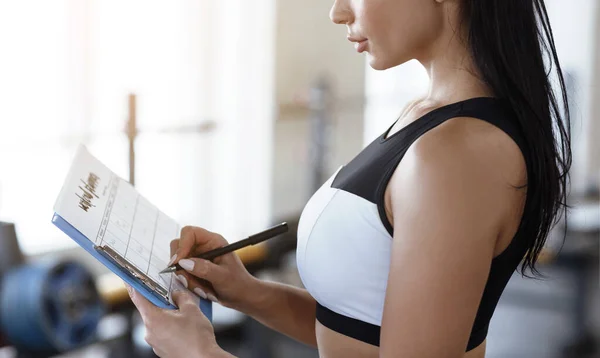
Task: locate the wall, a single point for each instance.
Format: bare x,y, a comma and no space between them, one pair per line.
308,45
244,90
576,37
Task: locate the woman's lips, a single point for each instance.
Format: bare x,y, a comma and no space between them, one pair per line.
360,44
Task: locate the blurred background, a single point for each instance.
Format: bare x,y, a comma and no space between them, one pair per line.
229,115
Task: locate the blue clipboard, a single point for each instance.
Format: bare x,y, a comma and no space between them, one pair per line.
128,273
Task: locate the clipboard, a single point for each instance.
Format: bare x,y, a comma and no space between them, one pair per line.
79,199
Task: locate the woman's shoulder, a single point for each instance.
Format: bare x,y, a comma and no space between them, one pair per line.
463,153
474,145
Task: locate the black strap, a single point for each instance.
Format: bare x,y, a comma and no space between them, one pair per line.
363,331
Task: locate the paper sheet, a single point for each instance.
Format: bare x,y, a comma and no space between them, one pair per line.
109,211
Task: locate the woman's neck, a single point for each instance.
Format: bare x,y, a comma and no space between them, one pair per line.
453,75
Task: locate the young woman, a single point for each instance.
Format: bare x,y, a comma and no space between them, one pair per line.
406,250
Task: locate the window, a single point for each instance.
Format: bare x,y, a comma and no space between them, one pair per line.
70,67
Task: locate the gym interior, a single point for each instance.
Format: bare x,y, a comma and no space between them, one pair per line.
229,115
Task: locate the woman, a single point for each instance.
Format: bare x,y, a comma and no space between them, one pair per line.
406,250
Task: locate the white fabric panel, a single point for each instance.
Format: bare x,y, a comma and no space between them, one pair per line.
344,253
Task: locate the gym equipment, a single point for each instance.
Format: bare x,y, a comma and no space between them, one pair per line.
49,307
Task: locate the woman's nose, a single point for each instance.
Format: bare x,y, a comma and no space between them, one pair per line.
340,12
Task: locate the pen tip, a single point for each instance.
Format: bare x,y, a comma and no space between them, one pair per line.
167,270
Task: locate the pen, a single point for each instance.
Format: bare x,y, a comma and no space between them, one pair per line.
251,240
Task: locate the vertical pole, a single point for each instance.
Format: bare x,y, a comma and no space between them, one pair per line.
10,255
10,251
131,134
594,131
319,99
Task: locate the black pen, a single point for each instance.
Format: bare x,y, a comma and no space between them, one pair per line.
251,240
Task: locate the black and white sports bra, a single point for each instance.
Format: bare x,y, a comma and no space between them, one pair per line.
345,239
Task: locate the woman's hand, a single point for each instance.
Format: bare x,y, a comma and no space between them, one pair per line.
185,332
224,280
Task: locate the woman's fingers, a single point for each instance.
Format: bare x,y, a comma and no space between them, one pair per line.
188,281
146,308
197,239
200,275
203,274
200,287
204,269
185,300
190,236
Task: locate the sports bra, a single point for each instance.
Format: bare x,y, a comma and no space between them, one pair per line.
345,239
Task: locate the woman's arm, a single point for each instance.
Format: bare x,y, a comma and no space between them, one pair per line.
286,309
450,200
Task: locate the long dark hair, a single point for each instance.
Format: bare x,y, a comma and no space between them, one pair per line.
508,40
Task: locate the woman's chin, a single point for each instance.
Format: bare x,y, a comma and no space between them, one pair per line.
380,63
376,63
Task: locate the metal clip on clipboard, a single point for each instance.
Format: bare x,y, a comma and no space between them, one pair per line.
111,254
